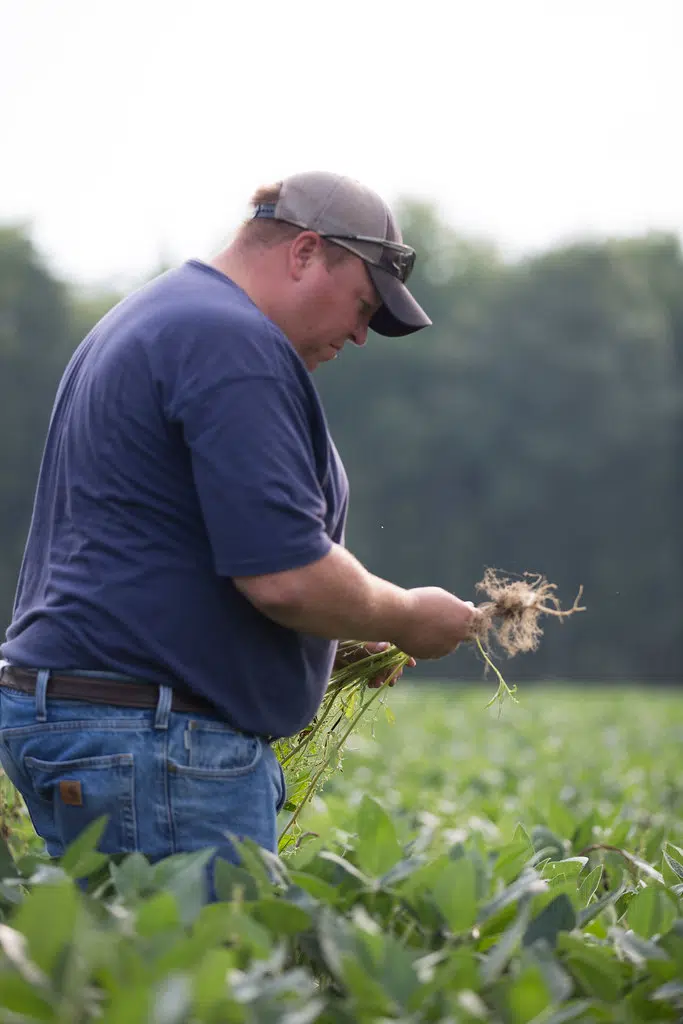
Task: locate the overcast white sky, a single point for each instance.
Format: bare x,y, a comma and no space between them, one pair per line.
135,130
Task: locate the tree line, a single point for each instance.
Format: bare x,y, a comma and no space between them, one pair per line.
537,426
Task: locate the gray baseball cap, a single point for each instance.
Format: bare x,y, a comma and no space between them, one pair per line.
353,216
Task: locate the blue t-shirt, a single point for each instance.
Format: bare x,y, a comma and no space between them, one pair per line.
187,446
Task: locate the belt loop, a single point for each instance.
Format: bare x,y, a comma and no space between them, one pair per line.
42,679
163,709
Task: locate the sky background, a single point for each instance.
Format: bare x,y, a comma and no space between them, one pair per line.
134,132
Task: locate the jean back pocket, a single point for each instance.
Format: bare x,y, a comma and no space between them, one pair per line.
66,796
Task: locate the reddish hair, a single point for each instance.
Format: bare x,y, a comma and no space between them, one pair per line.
266,233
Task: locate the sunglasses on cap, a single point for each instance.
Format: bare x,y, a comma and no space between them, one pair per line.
396,258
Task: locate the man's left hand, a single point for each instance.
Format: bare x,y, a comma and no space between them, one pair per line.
374,647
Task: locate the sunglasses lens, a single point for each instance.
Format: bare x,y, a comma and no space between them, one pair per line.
398,264
409,264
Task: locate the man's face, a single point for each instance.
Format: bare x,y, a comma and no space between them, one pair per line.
336,305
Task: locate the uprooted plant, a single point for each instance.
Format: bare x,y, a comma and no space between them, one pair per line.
510,617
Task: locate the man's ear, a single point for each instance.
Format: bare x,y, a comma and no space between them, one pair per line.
303,252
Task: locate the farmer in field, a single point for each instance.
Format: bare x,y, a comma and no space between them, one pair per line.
185,578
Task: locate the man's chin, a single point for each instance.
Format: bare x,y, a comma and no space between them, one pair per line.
314,361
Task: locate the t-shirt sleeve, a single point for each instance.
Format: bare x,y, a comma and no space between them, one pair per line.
254,468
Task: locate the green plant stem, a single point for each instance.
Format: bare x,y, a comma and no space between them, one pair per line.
310,735
503,688
342,679
339,744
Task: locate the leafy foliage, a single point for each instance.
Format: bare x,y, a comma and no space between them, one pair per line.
519,869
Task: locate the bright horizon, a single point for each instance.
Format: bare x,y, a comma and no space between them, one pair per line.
136,133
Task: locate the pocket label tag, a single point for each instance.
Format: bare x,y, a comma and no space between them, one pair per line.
70,792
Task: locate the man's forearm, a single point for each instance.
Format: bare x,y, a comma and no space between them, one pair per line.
335,597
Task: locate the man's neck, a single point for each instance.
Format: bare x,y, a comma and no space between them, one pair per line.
258,278
246,277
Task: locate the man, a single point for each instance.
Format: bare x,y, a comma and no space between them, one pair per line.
185,578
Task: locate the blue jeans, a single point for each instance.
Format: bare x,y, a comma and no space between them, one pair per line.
169,782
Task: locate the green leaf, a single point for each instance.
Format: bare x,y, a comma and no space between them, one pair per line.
369,999
404,869
336,940
281,917
595,968
671,992
570,867
594,909
496,960
559,819
215,925
210,983
646,868
133,877
184,874
172,1000
594,981
251,858
10,893
638,950
527,996
557,916
654,843
651,911
157,915
620,834
527,883
129,1005
81,858
396,970
29,863
316,887
512,858
454,893
556,978
8,867
442,971
677,850
521,835
345,873
422,877
546,841
251,936
589,885
576,1011
584,832
47,918
377,848
672,942
23,998
229,880
675,872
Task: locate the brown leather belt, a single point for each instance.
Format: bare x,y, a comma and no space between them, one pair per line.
93,690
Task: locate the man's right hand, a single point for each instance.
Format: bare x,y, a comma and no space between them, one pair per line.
435,623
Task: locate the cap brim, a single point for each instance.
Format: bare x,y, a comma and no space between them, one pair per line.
399,313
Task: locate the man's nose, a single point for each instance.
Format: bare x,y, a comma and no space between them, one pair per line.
359,336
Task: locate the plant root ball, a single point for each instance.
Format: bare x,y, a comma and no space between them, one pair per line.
511,615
